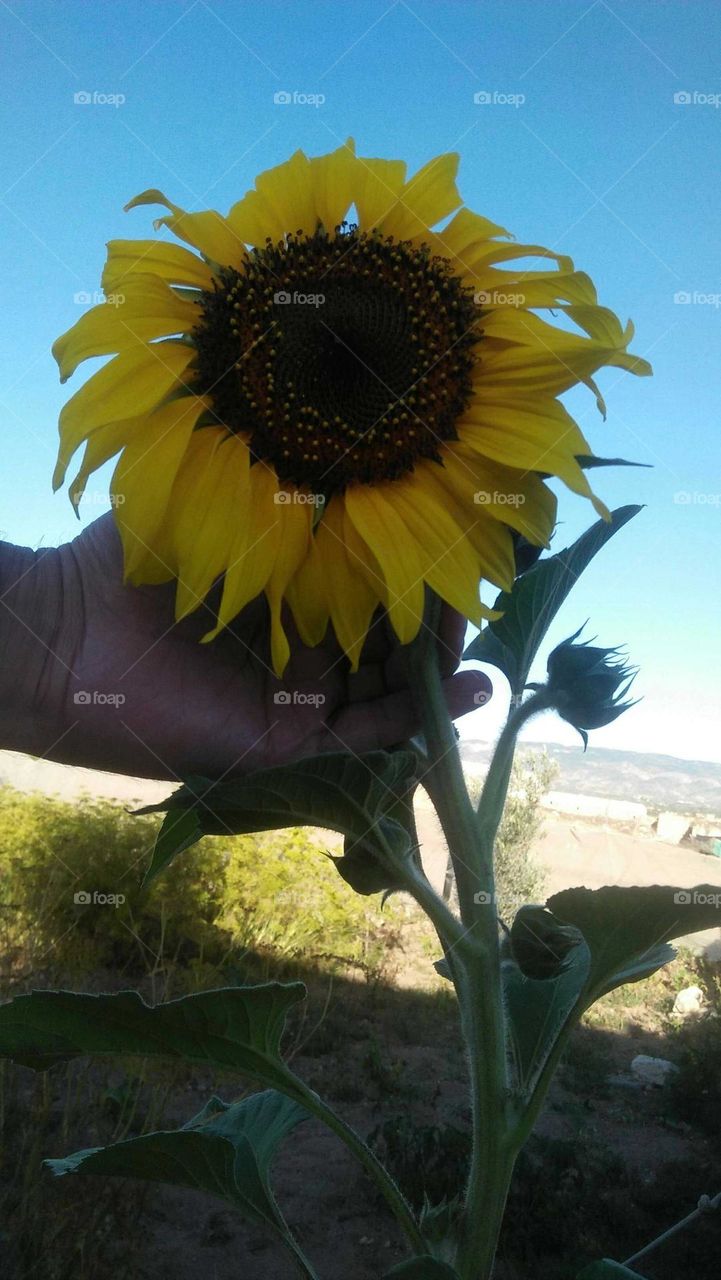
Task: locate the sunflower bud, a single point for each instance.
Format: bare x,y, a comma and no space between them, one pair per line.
541,944
587,684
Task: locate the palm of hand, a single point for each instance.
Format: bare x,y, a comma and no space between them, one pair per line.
142,696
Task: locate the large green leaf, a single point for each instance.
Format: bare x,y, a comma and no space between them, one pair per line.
227,1149
627,929
340,791
423,1268
233,1029
626,932
512,642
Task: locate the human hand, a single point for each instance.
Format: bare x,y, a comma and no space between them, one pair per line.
97,673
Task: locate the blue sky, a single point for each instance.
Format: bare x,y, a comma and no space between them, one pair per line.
592,156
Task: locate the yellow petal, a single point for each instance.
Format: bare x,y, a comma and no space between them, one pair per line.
379,183
466,229
496,288
254,546
450,564
146,308
528,434
352,601
333,178
143,481
429,196
128,385
102,445
490,540
295,532
206,230
379,524
308,599
282,202
518,498
169,261
208,502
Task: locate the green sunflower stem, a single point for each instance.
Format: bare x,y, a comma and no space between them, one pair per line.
387,1186
476,954
495,787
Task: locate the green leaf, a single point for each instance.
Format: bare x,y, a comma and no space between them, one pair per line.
626,929
625,939
340,791
227,1149
512,642
422,1268
233,1029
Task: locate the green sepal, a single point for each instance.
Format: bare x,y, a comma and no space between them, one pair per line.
589,461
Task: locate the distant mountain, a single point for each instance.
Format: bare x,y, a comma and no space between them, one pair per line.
660,782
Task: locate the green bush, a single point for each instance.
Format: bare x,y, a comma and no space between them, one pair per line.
519,878
272,893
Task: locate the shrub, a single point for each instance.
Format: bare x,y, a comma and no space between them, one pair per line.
272,893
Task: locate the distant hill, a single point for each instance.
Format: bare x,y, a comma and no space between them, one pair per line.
660,782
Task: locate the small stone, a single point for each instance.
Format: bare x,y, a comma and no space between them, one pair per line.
653,1071
689,1002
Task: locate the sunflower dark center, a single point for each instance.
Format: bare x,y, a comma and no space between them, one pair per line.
344,359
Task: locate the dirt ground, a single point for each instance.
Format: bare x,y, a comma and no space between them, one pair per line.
382,1051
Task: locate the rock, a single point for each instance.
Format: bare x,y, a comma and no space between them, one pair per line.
689,1002
622,1081
672,827
653,1071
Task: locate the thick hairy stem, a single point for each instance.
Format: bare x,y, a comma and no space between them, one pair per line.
476,970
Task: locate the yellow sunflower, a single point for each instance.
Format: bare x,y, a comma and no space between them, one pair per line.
333,412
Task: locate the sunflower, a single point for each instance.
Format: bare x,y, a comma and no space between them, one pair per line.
335,413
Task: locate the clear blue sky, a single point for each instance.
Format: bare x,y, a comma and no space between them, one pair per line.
598,162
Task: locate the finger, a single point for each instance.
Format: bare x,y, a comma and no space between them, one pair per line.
384,722
451,639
